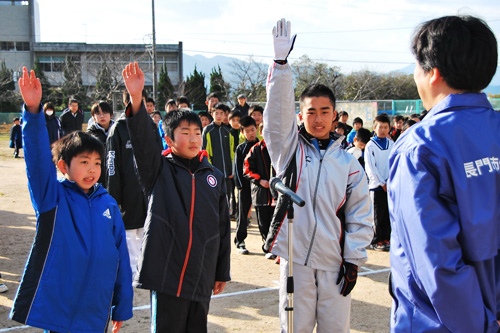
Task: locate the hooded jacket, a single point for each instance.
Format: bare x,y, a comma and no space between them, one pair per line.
330,181
444,202
78,272
187,233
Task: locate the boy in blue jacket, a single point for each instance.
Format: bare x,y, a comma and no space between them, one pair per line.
78,273
187,244
444,186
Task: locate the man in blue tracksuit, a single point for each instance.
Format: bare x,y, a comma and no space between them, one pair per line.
444,187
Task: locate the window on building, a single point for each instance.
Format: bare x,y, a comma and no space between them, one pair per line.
7,46
23,46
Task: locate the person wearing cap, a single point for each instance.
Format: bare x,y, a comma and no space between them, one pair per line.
242,105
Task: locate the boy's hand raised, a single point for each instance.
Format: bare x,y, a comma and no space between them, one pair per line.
282,40
31,90
134,81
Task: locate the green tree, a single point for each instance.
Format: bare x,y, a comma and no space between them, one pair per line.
218,85
165,88
37,68
194,88
104,83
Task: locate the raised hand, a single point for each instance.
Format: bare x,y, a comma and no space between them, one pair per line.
31,90
134,81
283,44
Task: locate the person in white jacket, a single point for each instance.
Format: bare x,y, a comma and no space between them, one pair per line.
333,229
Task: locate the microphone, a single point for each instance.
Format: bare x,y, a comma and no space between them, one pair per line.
277,185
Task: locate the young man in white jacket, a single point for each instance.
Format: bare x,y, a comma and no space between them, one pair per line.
333,229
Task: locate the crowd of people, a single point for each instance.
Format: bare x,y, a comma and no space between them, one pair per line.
175,182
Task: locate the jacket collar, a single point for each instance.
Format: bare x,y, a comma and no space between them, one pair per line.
335,139
202,155
457,101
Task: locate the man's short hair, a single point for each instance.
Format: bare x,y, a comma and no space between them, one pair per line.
222,106
173,119
363,135
246,121
105,108
255,108
150,100
74,144
234,113
212,94
462,48
182,99
357,120
317,90
382,119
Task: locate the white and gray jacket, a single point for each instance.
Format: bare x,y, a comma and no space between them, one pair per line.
335,224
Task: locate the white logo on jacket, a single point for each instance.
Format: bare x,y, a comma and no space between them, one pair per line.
107,214
211,180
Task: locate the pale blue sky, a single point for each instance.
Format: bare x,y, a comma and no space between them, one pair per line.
352,34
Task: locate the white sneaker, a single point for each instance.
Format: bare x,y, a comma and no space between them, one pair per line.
270,256
3,287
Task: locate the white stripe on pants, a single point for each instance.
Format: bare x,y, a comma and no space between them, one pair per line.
316,299
134,245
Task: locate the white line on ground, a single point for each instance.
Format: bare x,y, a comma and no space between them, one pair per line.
237,293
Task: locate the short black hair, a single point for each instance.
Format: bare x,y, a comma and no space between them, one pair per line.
74,144
317,90
105,108
16,119
343,113
48,106
182,99
357,120
222,106
170,102
156,112
205,114
381,118
462,48
408,123
246,121
150,100
72,99
254,108
212,94
234,113
399,117
173,119
342,126
363,135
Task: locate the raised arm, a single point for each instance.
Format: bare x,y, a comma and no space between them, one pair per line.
280,132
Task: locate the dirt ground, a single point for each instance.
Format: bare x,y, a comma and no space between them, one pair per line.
249,302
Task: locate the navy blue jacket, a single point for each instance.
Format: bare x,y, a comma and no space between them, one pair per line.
78,272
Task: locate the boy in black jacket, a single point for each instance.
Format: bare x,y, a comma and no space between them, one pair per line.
248,127
16,138
186,248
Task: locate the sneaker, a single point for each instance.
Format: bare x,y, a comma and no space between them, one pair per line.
270,256
242,249
387,246
3,287
380,246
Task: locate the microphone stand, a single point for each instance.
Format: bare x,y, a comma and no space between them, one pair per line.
289,280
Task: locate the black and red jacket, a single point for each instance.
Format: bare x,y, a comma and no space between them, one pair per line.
257,167
187,234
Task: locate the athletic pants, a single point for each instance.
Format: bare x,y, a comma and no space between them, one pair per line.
134,245
174,314
244,204
316,300
381,216
264,217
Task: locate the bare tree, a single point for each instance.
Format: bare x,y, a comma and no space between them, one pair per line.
307,72
250,79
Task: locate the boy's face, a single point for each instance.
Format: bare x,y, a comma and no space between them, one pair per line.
73,107
356,126
170,107
235,122
317,115
16,122
84,169
183,106
250,132
242,101
211,102
156,119
381,129
226,118
204,121
150,107
339,131
343,119
187,140
218,116
102,118
399,124
257,116
361,145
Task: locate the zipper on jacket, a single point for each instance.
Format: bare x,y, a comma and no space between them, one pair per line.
314,212
191,215
222,149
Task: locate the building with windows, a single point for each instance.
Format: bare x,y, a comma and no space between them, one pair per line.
20,46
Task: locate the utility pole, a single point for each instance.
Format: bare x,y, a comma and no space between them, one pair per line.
154,54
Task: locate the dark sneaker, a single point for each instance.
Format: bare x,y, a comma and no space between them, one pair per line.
242,249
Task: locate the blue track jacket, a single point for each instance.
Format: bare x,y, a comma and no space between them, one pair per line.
444,201
78,270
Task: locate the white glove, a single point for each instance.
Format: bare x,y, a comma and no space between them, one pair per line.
283,44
